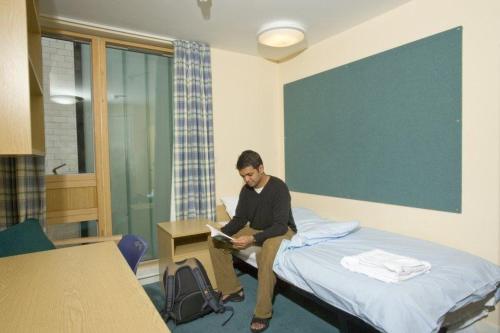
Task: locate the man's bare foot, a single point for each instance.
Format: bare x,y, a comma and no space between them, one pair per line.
259,324
238,296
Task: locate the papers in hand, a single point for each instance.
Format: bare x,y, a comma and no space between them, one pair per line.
219,235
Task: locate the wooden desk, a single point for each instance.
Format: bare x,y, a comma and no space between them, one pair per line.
86,288
179,240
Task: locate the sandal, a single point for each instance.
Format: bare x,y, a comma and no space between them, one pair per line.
238,296
257,320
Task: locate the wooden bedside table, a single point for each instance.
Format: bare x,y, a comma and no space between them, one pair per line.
178,240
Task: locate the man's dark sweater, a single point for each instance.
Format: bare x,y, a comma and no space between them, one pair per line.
269,211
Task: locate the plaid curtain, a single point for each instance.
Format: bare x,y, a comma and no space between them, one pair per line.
194,176
22,189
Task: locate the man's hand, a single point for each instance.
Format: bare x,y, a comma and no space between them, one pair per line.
243,242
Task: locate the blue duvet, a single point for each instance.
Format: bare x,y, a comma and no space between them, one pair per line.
416,305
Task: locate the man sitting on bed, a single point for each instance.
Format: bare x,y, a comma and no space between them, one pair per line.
264,201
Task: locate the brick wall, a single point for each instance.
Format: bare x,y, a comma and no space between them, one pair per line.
60,120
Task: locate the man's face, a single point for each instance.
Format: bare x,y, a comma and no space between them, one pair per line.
251,176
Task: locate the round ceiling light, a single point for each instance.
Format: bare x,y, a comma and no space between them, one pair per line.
280,36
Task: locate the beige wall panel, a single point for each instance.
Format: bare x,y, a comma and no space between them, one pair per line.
246,116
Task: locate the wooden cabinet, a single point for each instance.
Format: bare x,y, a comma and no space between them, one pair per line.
21,93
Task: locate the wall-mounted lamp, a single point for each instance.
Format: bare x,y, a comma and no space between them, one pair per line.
66,99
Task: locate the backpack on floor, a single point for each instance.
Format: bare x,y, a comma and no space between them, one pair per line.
189,293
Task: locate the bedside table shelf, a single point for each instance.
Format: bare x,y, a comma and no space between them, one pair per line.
179,240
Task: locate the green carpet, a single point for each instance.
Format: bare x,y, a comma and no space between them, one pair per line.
288,316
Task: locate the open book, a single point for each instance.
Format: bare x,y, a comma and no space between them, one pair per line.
219,235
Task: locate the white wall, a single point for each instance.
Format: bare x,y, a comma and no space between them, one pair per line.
247,115
477,228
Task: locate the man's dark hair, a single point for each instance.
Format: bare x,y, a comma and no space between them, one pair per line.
248,158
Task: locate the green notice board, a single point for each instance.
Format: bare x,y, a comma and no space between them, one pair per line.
386,128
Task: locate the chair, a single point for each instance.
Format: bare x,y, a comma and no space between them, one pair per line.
24,238
133,249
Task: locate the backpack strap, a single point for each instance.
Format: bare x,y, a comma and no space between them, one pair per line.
169,284
208,295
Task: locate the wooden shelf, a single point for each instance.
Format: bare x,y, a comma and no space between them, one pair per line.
34,40
71,198
35,53
36,88
32,17
37,125
189,245
21,96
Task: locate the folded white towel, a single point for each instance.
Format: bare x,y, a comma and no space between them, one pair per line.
385,266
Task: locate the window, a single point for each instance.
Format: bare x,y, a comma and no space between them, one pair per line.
69,137
108,107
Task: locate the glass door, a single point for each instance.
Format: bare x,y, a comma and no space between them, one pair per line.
140,141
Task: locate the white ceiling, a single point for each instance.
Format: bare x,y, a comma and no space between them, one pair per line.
225,24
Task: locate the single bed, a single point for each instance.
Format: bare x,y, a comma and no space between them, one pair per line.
459,289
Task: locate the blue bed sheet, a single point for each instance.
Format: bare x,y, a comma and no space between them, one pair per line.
416,305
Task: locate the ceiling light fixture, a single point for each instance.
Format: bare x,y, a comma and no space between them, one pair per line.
281,34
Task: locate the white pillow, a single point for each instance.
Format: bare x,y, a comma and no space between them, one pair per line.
301,215
230,204
316,231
